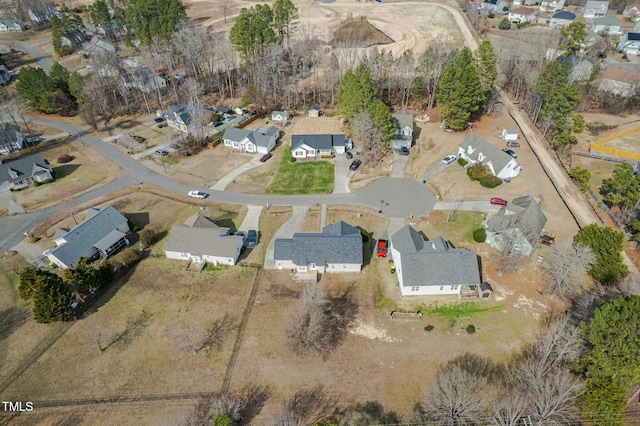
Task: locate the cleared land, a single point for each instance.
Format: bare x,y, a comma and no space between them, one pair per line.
311,177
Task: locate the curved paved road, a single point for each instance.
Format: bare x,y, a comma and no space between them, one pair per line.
397,197
43,61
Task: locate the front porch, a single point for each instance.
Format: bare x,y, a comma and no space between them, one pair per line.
469,292
306,277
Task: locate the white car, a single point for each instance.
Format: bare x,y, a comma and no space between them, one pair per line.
198,194
449,159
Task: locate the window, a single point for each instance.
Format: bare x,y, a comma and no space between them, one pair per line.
415,288
441,287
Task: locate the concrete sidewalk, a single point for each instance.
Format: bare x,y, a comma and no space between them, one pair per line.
287,230
229,177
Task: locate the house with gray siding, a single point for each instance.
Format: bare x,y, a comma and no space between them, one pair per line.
581,68
594,9
11,138
200,240
403,138
476,150
338,248
550,6
24,172
561,19
316,146
252,141
620,82
607,25
432,267
102,233
629,43
517,225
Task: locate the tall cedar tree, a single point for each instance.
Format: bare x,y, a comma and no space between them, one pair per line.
459,91
486,65
610,365
286,16
573,37
149,19
50,294
253,30
622,188
355,92
606,244
34,87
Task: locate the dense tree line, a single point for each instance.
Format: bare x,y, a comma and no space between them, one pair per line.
48,93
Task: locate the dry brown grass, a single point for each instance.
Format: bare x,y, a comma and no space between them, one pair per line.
358,32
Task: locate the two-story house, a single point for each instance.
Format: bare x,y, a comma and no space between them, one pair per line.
403,138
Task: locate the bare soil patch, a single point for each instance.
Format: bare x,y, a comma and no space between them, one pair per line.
358,32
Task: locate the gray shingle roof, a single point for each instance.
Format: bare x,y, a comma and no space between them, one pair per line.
609,20
259,137
323,142
283,114
337,243
183,111
523,213
16,170
236,135
433,263
98,224
201,236
403,119
563,14
497,157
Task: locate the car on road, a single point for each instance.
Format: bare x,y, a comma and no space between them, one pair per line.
161,152
354,165
198,194
513,144
510,152
381,248
498,201
252,238
449,159
404,151
158,119
266,157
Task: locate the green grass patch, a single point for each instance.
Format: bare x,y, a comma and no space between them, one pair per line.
452,311
381,302
311,177
460,227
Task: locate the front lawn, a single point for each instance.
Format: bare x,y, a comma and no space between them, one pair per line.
312,177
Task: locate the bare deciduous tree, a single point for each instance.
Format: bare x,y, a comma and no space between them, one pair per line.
565,268
196,340
365,130
306,407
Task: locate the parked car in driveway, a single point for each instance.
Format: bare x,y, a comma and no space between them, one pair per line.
349,155
449,159
161,152
266,157
354,165
252,238
498,201
513,144
510,152
198,194
404,151
158,119
381,248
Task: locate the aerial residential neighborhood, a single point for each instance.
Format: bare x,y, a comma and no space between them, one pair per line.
319,213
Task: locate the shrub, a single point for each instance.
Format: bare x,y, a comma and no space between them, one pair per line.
490,181
32,239
428,327
523,24
491,16
65,158
504,25
477,171
147,237
462,162
36,183
292,159
480,235
471,329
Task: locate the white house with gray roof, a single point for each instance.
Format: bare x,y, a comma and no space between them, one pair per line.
11,138
23,172
607,25
316,146
519,223
431,267
594,9
202,241
281,116
338,248
101,233
403,138
476,150
253,141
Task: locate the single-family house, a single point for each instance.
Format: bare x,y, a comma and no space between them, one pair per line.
180,117
281,116
431,267
102,233
223,110
253,141
338,248
145,80
43,14
517,226
314,111
96,47
522,14
509,134
632,12
492,6
316,146
551,6
11,25
629,43
476,150
595,9
23,172
606,25
71,40
561,19
200,240
620,82
11,138
6,75
581,68
403,138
